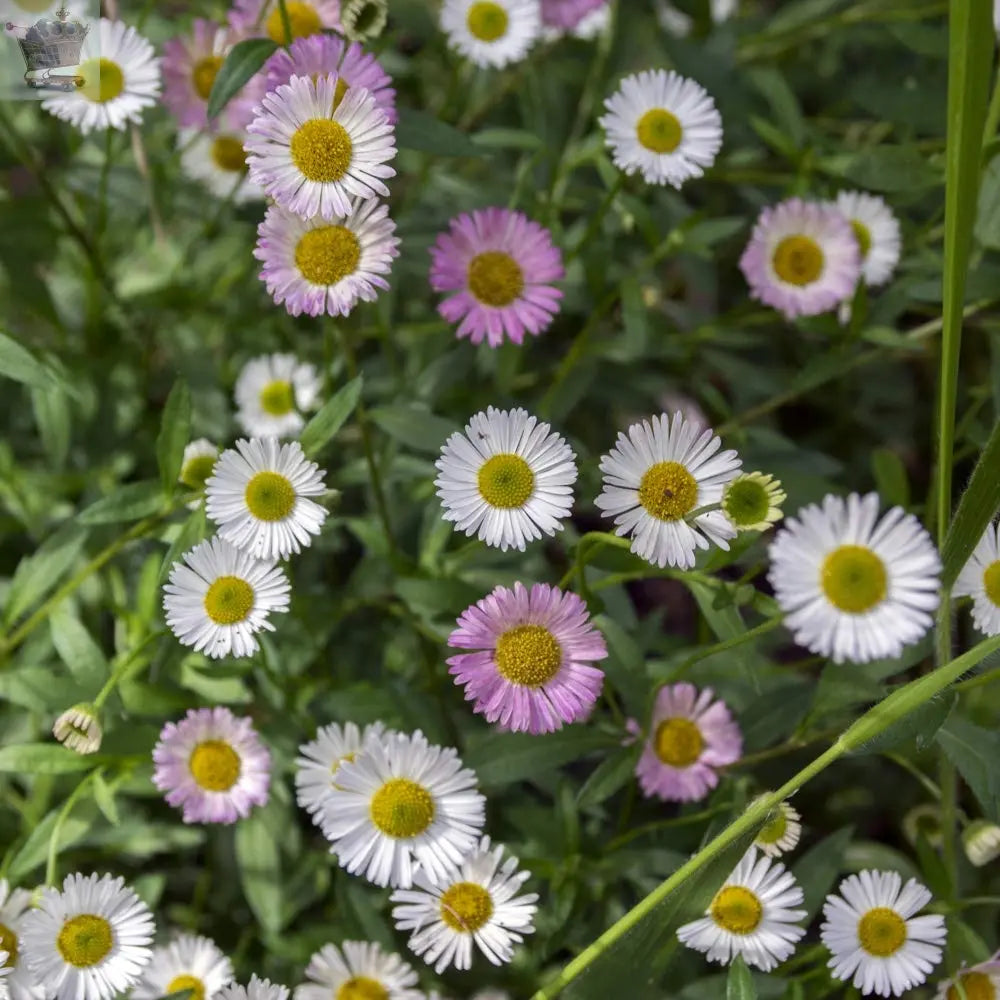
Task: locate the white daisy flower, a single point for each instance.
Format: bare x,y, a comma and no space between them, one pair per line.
662,125
190,963
315,156
88,941
14,906
358,970
752,915
476,902
492,32
217,160
853,586
256,989
218,597
507,479
656,478
980,580
979,982
318,267
272,392
781,832
121,78
318,762
259,497
873,935
400,802
877,231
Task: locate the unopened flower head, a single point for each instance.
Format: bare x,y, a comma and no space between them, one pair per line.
854,585
363,19
474,903
924,821
781,832
121,79
199,459
663,126
491,32
752,501
981,840
498,269
358,970
79,729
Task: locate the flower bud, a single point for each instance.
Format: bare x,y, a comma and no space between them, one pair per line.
79,729
981,840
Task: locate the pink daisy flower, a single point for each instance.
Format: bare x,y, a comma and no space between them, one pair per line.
320,55
567,14
531,666
802,258
318,267
499,265
190,66
689,737
305,18
213,765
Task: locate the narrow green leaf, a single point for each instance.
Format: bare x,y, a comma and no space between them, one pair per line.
330,418
975,752
20,365
890,477
976,509
892,168
192,531
175,432
245,59
40,572
105,799
615,771
414,427
918,727
988,214
818,868
42,758
76,648
127,503
34,850
423,132
52,417
260,872
503,758
739,985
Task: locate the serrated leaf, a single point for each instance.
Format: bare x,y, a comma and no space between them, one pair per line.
175,433
975,752
260,870
128,503
244,60
322,427
42,758
423,132
416,428
739,983
39,573
615,771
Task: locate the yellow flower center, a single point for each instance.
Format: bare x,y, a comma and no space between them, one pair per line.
361,988
659,131
215,765
196,471
322,150
977,986
678,742
229,600
882,932
303,19
854,579
528,654
401,808
736,909
103,80
465,907
863,235
668,491
8,943
270,496
495,278
228,154
991,582
85,940
506,481
328,254
487,21
277,398
202,77
746,502
33,6
798,260
774,830
192,983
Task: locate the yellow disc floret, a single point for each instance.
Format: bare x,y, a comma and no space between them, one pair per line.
361,988
103,80
215,765
327,254
798,260
506,481
854,579
736,909
528,655
659,131
487,21
882,932
193,984
668,491
466,907
270,496
402,808
495,278
203,75
678,742
322,150
85,940
303,20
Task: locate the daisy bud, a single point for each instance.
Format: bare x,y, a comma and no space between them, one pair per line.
79,729
981,840
752,501
197,465
363,19
924,819
781,832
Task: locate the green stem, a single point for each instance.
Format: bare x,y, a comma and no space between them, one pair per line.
286,23
948,780
122,668
597,217
50,863
720,647
875,721
584,546
992,114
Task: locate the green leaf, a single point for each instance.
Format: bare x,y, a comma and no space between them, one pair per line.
42,758
976,510
40,572
330,418
127,503
20,365
76,648
192,531
739,985
975,752
33,851
244,59
891,168
890,477
917,727
414,427
615,771
105,799
503,758
260,870
52,416
818,868
423,132
175,433
987,228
